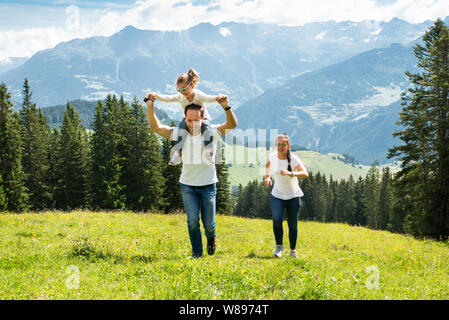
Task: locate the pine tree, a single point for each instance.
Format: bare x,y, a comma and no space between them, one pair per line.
127,131
345,201
99,155
385,198
11,171
247,202
238,211
54,173
143,165
253,201
359,214
172,192
106,156
3,200
234,199
263,201
223,198
400,206
307,185
349,201
319,197
332,195
115,195
424,156
157,180
371,198
251,198
74,161
35,133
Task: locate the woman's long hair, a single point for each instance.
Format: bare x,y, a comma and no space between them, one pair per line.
289,157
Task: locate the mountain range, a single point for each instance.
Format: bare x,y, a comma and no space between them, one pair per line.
240,60
333,86
350,107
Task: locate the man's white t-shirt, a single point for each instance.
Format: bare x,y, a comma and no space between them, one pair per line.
195,172
285,187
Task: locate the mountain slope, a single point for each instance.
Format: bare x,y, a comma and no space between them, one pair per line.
349,107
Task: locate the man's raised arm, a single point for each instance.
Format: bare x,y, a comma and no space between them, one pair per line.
155,125
231,120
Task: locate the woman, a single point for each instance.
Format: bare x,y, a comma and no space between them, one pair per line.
286,192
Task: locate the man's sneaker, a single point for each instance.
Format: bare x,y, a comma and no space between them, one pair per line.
211,246
278,251
196,255
293,254
175,159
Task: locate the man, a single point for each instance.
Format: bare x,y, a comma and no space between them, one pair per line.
198,177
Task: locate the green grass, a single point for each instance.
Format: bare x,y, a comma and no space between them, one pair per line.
249,164
147,256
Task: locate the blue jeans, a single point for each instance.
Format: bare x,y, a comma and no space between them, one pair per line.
277,210
196,198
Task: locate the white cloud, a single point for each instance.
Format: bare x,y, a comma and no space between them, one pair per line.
182,14
27,42
5,60
321,35
225,32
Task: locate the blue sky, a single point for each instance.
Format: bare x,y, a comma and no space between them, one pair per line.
23,14
29,26
37,13
44,13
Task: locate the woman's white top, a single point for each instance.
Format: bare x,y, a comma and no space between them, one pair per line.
285,187
199,98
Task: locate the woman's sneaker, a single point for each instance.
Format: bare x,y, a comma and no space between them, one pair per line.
293,254
175,159
278,251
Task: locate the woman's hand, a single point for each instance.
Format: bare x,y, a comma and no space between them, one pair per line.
268,182
285,173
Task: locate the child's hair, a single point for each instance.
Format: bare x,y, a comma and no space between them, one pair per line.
190,77
289,158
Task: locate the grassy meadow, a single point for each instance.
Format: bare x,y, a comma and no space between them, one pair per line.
124,255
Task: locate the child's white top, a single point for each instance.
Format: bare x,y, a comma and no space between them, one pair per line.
199,98
285,187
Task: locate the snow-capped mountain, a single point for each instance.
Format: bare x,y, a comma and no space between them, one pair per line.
240,60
